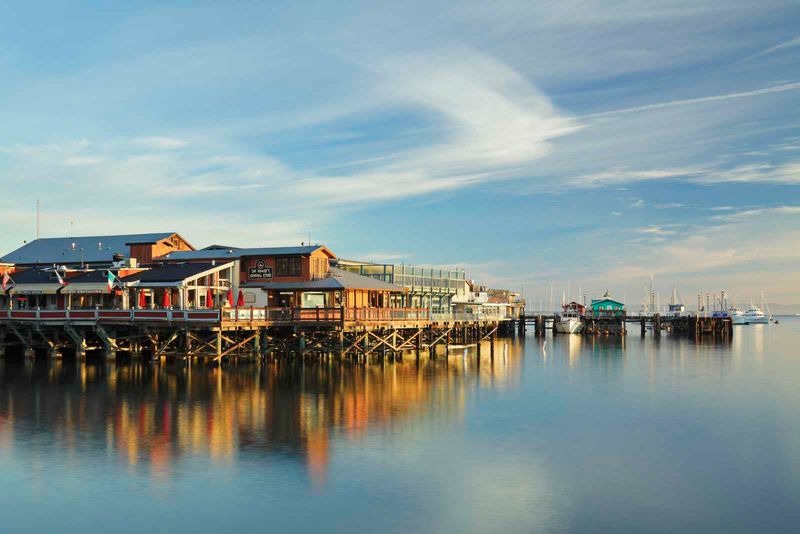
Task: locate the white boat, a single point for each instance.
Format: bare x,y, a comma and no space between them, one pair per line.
737,315
755,316
569,323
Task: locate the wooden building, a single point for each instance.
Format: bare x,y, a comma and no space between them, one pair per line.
606,306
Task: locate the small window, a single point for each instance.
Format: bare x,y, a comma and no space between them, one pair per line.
288,266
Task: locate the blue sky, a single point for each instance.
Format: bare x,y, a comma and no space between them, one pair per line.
529,142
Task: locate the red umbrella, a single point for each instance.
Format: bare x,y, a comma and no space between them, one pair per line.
230,297
240,300
209,298
167,300
142,299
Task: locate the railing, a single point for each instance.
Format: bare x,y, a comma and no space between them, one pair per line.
325,315
252,314
596,314
169,315
464,316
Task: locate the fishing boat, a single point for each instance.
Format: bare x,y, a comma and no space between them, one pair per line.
569,323
755,316
736,315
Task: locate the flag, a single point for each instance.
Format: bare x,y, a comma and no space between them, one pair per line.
6,280
60,280
111,279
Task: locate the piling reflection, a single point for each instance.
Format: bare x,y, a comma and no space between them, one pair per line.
150,416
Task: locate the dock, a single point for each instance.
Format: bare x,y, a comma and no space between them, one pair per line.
219,334
618,323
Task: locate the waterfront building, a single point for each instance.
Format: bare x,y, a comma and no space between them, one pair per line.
426,287
480,301
293,277
96,251
607,306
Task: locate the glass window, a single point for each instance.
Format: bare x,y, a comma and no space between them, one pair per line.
288,266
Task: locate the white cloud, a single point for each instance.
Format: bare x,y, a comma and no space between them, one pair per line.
691,101
759,212
82,161
787,173
491,121
791,43
656,230
161,143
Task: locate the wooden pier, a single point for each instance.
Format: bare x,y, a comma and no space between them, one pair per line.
220,334
617,323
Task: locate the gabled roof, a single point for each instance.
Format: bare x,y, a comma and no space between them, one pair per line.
215,252
338,279
89,249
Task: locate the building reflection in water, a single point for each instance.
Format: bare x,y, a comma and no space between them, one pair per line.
150,416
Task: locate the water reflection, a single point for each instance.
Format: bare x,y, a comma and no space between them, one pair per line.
149,416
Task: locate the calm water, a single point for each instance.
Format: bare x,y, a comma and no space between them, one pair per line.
577,435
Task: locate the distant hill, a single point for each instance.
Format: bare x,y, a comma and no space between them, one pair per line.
784,309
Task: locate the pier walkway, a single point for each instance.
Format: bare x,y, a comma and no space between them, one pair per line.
617,322
228,332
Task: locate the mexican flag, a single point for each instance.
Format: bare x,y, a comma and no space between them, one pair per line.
110,281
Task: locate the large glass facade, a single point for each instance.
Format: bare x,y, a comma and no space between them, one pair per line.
427,287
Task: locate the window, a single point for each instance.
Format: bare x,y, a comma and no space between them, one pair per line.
288,266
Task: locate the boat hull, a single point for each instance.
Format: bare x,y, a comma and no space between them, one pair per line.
569,326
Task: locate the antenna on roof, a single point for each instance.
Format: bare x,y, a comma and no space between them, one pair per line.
37,218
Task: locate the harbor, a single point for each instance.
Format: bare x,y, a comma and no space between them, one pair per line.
155,296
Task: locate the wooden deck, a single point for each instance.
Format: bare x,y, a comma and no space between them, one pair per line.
260,317
227,332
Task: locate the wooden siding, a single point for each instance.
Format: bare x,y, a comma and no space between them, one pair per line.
144,253
312,267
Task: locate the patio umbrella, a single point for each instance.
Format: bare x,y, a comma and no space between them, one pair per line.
142,299
167,300
209,298
230,297
240,300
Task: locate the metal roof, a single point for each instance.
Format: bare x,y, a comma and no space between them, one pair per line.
338,279
89,249
234,253
34,276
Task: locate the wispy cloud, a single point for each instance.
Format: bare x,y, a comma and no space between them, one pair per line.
691,101
82,161
791,43
656,230
491,122
759,212
161,143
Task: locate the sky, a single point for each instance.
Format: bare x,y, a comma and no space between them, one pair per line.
559,144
